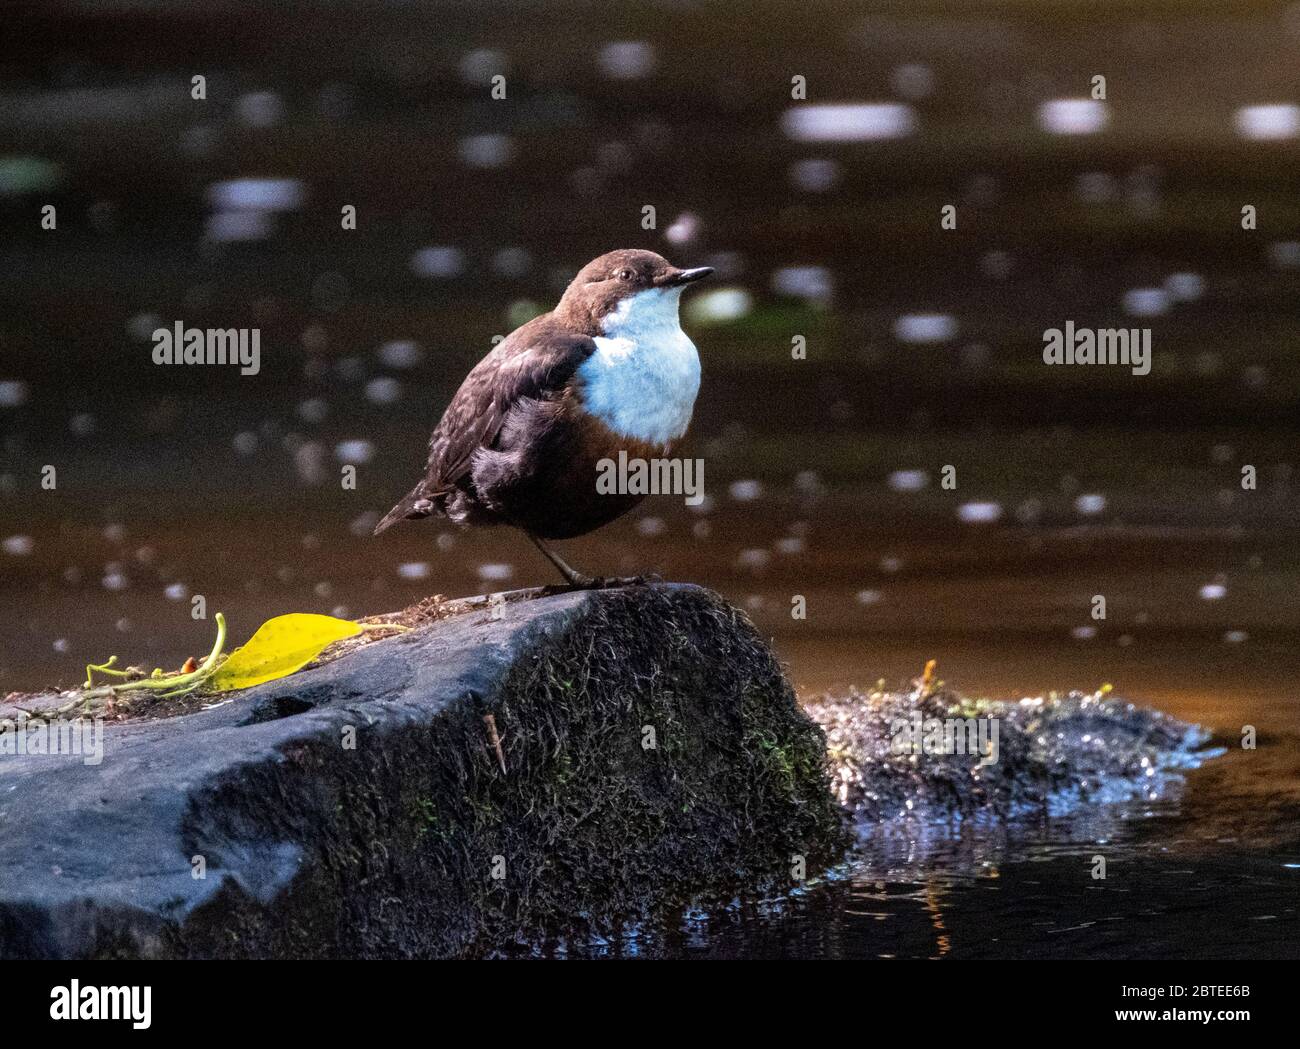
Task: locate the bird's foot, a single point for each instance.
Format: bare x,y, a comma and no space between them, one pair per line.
649,579
575,580
599,582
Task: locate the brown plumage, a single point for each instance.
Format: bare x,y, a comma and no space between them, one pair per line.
517,445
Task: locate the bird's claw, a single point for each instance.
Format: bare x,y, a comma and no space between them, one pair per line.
600,583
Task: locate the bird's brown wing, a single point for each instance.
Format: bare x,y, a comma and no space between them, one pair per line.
526,365
535,361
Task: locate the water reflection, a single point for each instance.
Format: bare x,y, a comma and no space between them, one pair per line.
1175,887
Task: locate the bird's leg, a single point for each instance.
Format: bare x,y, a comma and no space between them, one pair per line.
571,575
578,581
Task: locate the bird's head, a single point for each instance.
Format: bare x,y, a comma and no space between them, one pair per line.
627,286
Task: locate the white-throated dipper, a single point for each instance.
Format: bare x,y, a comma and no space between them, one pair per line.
608,370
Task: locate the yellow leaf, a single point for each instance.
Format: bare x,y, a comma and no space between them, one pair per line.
280,646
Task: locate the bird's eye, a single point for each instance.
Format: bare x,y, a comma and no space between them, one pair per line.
624,274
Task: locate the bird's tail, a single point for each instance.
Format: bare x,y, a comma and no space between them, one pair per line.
414,504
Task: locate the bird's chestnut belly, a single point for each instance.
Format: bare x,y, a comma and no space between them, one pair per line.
548,483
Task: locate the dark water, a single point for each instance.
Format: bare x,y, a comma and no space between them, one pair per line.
924,350
1202,875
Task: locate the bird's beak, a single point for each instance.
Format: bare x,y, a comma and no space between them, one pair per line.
677,278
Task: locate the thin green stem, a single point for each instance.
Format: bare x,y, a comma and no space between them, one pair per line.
184,681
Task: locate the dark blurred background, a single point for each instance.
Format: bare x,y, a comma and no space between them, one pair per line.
923,345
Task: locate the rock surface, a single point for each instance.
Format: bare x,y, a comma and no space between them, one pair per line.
359,808
999,761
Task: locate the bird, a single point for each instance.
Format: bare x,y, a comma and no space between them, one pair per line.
608,370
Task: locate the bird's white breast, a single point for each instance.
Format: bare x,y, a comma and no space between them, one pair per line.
642,380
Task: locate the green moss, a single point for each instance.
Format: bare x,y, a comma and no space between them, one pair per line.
593,820
588,827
